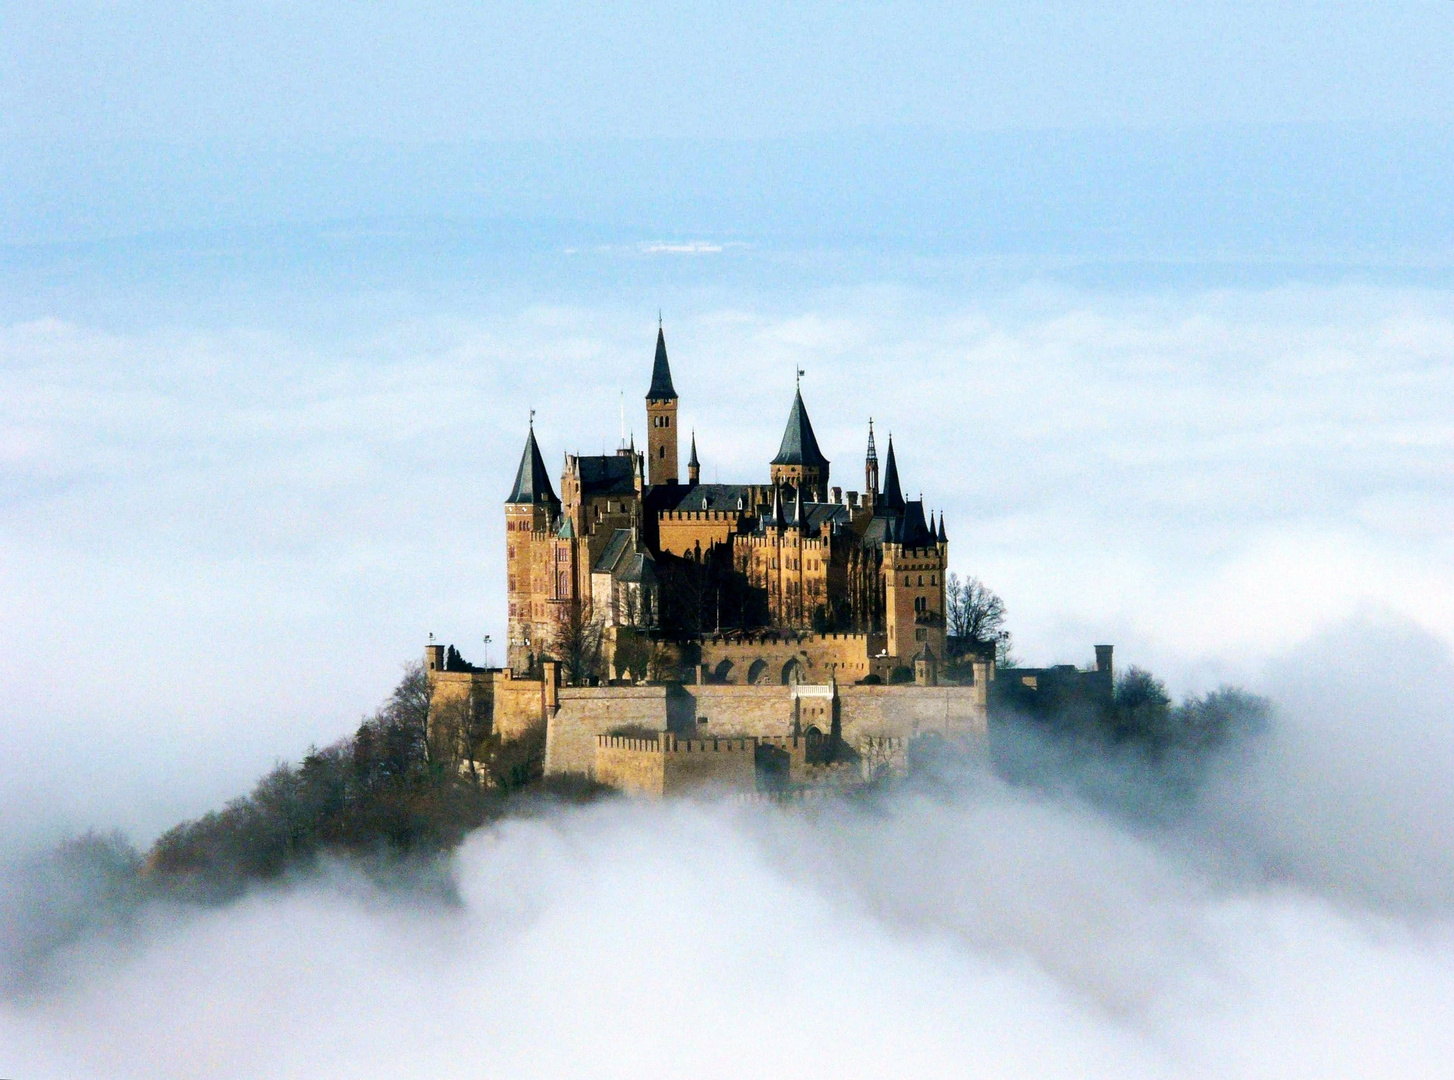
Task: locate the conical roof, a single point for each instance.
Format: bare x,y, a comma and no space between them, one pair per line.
661,387
943,536
692,462
799,445
532,482
893,493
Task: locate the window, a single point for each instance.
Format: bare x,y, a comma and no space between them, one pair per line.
921,604
661,451
921,579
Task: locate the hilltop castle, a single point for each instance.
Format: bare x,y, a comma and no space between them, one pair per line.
669,632
856,578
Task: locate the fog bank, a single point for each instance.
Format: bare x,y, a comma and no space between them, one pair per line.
1295,922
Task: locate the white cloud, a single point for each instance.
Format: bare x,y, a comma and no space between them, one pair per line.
221,540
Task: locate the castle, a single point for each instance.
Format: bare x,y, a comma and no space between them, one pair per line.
783,633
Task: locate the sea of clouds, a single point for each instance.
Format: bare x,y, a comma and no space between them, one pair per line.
223,531
1298,922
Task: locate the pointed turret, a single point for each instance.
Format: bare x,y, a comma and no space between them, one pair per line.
870,465
661,387
777,506
893,493
943,536
661,417
694,467
799,461
532,481
799,445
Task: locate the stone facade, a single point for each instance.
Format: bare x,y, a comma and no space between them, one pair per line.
628,543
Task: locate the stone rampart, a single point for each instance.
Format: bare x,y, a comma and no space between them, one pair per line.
588,711
767,658
669,765
958,713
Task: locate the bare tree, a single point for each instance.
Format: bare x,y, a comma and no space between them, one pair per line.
577,642
976,616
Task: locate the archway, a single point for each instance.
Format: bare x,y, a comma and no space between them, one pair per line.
722,673
794,673
756,671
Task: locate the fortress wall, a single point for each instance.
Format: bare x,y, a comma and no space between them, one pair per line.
635,766
588,711
511,704
718,763
518,704
683,532
823,656
744,710
958,712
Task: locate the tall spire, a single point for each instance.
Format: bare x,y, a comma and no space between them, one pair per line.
893,493
694,467
943,537
661,387
532,481
870,464
692,461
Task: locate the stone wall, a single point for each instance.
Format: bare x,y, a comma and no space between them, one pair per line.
588,711
821,657
511,705
768,714
635,766
956,712
726,764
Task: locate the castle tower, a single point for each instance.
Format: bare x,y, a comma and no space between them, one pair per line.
694,467
870,468
531,509
799,461
893,494
661,419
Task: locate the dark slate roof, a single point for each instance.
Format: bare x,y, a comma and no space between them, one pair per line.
661,387
662,497
623,561
617,548
913,530
878,530
640,567
943,536
607,474
692,462
893,493
532,482
799,446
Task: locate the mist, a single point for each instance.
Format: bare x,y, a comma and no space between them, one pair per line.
1295,920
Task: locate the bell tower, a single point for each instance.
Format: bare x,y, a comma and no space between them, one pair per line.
661,419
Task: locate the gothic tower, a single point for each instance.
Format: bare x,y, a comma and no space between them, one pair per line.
870,468
661,420
799,462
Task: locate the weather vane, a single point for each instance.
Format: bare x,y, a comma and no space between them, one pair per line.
798,378
532,417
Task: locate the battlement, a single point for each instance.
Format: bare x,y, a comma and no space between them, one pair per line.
666,743
781,637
